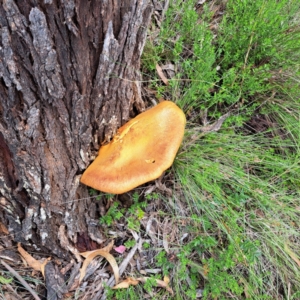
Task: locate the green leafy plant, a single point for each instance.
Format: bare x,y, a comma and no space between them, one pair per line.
4,280
114,214
130,243
135,213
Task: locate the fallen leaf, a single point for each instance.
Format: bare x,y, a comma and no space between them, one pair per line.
105,254
125,284
162,284
161,75
43,265
106,248
32,262
121,249
3,228
159,283
292,255
132,281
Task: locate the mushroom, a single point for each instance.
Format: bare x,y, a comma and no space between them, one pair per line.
141,150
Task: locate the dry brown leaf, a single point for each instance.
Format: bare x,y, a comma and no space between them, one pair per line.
106,255
163,284
162,75
106,248
3,228
159,283
32,262
132,281
125,284
43,265
292,255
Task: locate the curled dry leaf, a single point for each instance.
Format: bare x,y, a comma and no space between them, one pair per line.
106,248
125,284
161,74
43,265
90,256
132,281
3,228
32,262
159,283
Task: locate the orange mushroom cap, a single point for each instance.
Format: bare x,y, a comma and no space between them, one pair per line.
140,152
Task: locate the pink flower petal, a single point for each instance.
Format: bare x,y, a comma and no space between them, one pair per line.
121,249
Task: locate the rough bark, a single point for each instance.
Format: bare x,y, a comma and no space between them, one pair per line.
68,79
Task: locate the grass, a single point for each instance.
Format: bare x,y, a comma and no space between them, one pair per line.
237,189
240,190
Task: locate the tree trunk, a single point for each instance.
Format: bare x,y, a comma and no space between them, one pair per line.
69,72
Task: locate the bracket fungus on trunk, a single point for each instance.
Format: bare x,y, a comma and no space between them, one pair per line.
141,150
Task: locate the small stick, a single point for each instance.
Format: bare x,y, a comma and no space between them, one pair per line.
126,261
24,283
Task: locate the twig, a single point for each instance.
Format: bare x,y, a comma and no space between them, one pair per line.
126,261
22,281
